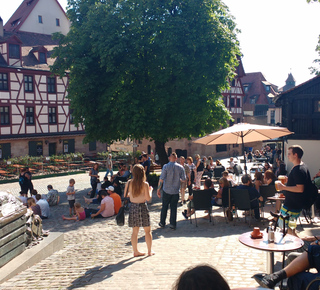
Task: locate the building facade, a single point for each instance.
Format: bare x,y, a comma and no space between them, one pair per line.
35,117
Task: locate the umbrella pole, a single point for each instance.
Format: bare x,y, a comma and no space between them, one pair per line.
244,156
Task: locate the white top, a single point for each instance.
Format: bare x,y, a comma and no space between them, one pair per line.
108,206
44,206
71,196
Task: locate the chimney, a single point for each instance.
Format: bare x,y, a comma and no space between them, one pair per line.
1,27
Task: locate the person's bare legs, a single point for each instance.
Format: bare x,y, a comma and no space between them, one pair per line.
299,264
74,218
134,242
148,236
87,200
278,206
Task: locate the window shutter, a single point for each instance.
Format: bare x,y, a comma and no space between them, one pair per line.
32,148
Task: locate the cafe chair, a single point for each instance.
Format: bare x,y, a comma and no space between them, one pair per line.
217,171
265,192
241,201
202,201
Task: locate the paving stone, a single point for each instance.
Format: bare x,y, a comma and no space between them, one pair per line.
98,254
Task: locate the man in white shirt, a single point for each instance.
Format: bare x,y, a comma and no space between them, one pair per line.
44,206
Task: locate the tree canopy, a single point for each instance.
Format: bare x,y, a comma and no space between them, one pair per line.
148,68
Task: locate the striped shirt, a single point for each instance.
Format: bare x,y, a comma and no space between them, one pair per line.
171,175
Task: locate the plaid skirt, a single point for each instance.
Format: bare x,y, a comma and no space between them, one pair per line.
139,215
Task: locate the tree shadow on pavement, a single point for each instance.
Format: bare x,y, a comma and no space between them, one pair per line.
98,274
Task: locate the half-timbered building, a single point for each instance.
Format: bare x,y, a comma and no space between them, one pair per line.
35,117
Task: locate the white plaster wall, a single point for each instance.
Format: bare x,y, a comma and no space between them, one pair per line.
310,156
49,10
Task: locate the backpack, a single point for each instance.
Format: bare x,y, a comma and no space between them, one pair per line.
311,195
22,180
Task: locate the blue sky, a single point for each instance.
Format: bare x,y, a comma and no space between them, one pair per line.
278,36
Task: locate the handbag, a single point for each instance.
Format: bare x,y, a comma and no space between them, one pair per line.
120,216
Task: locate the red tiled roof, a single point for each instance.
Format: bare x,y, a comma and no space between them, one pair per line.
256,88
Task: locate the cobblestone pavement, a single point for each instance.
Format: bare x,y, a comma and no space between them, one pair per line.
98,255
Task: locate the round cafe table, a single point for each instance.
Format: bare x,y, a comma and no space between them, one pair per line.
280,244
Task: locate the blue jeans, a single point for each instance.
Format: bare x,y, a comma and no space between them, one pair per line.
109,171
301,280
172,200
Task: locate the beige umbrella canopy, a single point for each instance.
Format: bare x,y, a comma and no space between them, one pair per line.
243,133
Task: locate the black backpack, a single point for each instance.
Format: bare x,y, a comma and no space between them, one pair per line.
311,195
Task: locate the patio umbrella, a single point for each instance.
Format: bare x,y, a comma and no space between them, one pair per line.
243,133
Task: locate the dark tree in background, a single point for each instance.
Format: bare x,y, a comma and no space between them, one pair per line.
148,68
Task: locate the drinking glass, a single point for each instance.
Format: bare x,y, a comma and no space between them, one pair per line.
292,223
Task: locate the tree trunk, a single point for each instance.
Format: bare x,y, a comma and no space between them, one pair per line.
160,149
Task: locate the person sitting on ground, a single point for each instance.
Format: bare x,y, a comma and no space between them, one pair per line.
253,194
34,193
44,206
106,183
208,185
116,199
23,197
231,166
229,177
117,187
106,207
202,277
53,197
295,271
269,177
258,180
35,207
80,213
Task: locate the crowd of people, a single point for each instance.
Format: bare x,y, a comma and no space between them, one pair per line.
175,179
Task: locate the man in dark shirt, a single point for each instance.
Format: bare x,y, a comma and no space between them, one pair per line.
253,194
294,190
146,163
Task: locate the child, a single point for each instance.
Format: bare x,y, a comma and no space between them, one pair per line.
71,196
81,214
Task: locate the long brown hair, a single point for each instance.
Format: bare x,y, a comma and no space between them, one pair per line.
137,182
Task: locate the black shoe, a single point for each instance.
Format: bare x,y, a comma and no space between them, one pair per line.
265,280
184,213
172,227
161,225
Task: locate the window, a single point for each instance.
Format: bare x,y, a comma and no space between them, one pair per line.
4,116
40,19
57,22
51,85
238,102
3,82
42,57
246,88
52,115
71,117
14,51
268,88
28,83
92,146
231,102
221,147
272,117
238,120
29,115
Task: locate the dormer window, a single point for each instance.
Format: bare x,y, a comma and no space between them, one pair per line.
40,19
268,88
42,57
14,51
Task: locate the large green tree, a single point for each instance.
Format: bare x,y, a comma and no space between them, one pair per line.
148,68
